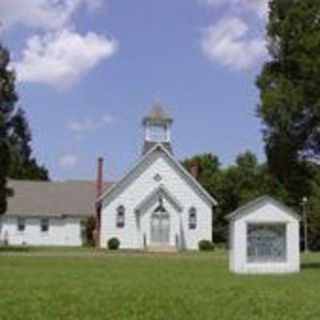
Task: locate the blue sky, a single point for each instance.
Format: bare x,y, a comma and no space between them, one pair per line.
88,71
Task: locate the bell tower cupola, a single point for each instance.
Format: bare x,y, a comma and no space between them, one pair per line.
157,128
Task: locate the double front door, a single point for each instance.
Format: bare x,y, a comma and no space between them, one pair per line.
160,227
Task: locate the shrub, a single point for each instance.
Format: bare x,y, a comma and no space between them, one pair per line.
113,244
88,230
206,245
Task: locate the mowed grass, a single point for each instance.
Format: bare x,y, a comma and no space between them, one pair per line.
145,286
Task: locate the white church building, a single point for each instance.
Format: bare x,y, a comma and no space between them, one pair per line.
158,204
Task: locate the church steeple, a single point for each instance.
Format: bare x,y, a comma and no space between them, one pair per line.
157,128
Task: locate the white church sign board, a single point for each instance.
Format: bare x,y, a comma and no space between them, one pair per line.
264,238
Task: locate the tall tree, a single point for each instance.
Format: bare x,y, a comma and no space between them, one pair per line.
8,99
312,208
289,90
22,164
16,159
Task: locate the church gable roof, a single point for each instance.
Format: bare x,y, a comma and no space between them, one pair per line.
161,191
258,203
148,145
160,148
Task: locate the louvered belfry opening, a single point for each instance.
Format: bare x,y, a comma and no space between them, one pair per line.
157,128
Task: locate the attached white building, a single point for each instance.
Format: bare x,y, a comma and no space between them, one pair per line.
264,238
157,204
47,213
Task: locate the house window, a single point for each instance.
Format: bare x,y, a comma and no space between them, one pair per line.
266,242
21,224
120,217
44,224
192,218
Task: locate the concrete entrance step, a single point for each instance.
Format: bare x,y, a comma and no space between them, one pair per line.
161,248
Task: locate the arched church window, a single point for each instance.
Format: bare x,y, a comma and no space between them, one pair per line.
120,216
192,218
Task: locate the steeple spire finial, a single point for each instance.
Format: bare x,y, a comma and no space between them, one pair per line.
156,98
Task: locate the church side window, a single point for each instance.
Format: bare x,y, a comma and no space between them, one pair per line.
266,242
120,217
192,218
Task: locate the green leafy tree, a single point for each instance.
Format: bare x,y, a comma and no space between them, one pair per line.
208,168
90,225
289,91
16,159
210,177
233,186
312,208
23,165
241,183
8,99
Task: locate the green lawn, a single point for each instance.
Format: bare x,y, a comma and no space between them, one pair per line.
141,286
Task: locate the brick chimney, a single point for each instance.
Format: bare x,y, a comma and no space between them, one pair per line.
194,170
99,189
99,182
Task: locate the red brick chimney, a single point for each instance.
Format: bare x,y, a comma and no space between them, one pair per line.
194,170
99,189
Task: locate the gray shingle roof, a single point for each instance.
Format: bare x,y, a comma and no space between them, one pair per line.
37,198
148,145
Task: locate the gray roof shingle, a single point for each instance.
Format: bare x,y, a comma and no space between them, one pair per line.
148,145
38,198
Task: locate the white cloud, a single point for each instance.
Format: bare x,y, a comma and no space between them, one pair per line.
60,58
46,14
68,161
93,5
214,2
89,124
228,43
258,7
84,125
43,14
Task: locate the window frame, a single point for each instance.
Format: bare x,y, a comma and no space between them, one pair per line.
121,217
158,132
193,218
282,227
19,224
44,225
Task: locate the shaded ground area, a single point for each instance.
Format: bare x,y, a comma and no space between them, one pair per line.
81,284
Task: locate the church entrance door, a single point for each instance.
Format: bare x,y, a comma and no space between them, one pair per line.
160,227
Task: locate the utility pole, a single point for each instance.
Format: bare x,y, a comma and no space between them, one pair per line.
305,223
